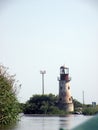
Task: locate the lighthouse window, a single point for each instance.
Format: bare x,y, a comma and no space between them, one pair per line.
61,87
69,99
60,99
68,87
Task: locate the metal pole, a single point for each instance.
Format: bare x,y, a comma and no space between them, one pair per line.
42,72
83,98
43,83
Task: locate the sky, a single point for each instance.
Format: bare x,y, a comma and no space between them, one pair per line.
46,34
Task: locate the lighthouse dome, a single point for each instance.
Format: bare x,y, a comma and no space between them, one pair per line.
64,70
63,67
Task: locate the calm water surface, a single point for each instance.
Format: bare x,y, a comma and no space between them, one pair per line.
48,123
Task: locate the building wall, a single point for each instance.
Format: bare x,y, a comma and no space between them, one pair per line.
65,98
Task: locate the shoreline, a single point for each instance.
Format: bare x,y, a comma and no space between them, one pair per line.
49,115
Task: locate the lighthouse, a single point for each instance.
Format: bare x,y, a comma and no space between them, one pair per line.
65,98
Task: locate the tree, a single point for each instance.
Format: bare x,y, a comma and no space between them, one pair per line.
77,103
9,106
90,110
43,104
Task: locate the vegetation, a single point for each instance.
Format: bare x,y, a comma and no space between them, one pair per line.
43,104
86,109
90,110
77,104
48,104
9,106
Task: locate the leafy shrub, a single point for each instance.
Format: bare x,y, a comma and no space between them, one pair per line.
9,106
43,104
90,110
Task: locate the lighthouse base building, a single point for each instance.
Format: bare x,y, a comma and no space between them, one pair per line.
65,98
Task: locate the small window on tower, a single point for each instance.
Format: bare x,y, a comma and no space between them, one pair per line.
60,99
68,87
69,99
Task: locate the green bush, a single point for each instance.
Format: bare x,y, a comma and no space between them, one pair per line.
9,106
43,104
90,110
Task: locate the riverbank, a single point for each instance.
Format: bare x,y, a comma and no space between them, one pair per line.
47,115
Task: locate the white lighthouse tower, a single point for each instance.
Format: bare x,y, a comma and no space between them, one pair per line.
65,98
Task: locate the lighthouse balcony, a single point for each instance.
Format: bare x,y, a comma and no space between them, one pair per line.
65,77
68,79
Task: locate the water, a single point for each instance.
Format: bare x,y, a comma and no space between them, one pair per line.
48,123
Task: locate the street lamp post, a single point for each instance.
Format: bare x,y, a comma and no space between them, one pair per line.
43,72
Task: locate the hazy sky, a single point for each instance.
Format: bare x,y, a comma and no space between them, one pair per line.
46,34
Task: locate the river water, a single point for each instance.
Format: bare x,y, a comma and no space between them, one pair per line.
48,123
